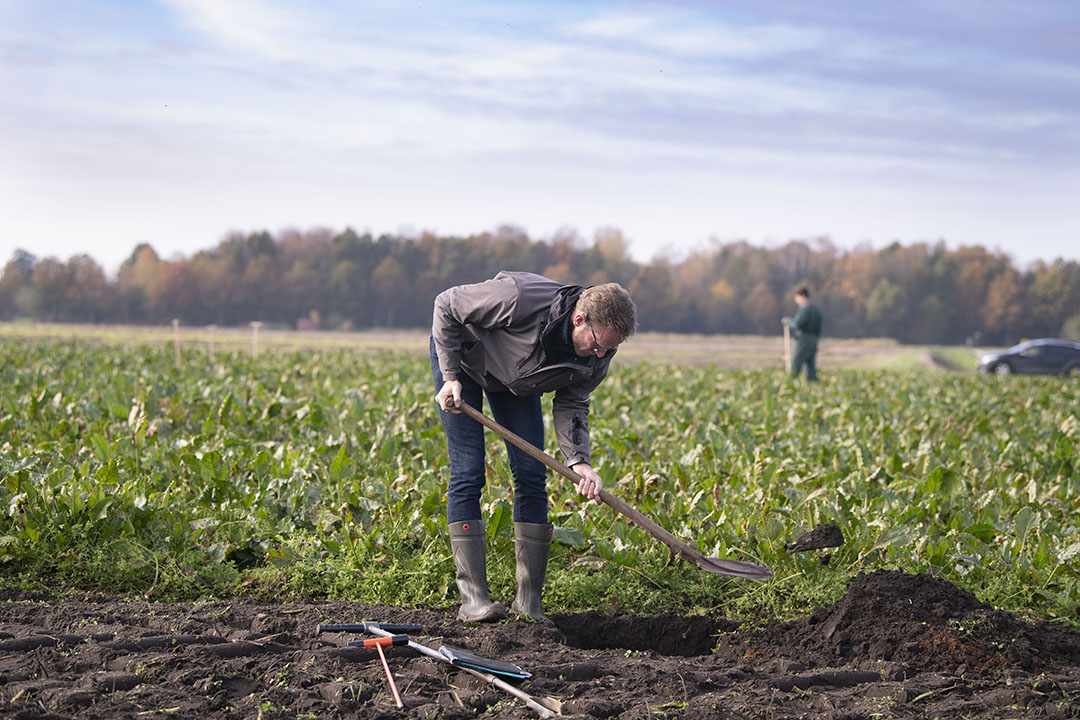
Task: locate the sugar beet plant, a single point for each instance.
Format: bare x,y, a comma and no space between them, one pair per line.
322,475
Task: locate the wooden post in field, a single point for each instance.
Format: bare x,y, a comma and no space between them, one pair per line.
176,339
255,325
213,331
787,347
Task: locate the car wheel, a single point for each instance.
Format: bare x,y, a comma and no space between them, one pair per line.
1003,369
1073,372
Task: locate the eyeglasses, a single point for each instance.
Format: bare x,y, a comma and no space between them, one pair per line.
596,347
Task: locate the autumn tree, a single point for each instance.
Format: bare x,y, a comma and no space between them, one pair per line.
613,252
16,290
722,305
1054,295
885,308
138,284
762,309
652,290
566,247
89,295
388,280
974,270
860,272
792,262
1003,309
50,281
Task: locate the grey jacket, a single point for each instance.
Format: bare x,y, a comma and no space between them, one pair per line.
500,331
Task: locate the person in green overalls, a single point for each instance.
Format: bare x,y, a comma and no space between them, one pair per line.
807,327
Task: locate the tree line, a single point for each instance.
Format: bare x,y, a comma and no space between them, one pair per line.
919,293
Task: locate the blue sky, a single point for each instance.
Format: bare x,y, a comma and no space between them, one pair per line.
175,122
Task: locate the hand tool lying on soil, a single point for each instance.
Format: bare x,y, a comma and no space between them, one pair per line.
462,658
721,566
456,656
378,644
543,707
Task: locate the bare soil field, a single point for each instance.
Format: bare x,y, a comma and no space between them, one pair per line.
896,645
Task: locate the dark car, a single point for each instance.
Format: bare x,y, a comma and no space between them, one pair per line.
1035,357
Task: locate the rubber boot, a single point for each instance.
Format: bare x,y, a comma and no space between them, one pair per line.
532,545
468,543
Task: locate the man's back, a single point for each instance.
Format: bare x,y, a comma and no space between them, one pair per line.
808,319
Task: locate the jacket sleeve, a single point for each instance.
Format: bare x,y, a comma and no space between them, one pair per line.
570,410
798,323
489,304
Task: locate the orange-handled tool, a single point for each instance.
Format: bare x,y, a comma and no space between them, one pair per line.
379,643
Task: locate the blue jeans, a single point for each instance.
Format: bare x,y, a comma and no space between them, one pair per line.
465,443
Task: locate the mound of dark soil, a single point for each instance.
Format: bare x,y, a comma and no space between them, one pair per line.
917,620
895,646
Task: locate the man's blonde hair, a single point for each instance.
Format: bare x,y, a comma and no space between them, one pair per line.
609,306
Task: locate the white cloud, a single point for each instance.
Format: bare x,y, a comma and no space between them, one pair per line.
251,24
699,35
615,25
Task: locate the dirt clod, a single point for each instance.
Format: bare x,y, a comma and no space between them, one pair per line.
823,536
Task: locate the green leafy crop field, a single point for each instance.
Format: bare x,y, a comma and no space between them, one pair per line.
321,473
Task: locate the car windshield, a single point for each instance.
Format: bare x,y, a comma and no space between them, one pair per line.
1021,347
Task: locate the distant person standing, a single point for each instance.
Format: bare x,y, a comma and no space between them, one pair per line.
807,327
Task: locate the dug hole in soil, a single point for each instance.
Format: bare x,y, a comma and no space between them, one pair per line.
897,645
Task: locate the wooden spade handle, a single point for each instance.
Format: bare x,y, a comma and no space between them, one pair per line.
787,347
645,523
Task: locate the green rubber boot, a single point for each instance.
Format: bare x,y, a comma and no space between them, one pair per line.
532,546
468,543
